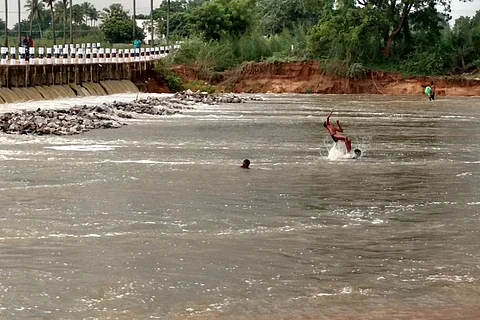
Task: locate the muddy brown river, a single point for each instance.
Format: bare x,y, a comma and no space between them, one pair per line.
156,220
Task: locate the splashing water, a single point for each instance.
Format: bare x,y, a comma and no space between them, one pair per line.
339,151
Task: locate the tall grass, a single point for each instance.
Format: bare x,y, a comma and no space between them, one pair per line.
218,56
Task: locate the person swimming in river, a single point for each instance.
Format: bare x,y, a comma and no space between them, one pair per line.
245,164
335,136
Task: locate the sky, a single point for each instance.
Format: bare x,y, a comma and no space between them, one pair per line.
459,8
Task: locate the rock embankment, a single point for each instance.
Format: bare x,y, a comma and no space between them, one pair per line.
79,119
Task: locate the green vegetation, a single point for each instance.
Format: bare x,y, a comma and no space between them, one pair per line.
117,26
347,37
173,81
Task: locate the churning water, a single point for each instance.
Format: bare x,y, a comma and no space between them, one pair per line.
156,220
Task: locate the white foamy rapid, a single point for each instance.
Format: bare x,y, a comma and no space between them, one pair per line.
338,151
83,148
71,102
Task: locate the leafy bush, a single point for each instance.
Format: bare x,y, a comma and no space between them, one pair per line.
174,82
335,67
357,71
431,62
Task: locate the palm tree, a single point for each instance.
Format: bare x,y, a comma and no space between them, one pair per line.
35,9
61,9
77,14
93,15
6,23
50,4
86,8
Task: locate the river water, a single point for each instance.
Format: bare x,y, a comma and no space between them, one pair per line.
156,220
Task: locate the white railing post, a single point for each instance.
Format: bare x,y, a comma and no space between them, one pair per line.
31,58
13,59
80,55
65,55
114,55
88,54
133,54
107,55
120,55
56,53
100,55
72,55
41,54
4,52
49,55
94,55
21,55
137,54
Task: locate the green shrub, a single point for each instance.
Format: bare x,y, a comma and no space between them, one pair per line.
335,67
174,82
357,71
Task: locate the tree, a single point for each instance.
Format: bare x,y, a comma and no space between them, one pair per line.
278,14
87,9
117,25
61,9
93,15
35,9
219,18
77,14
50,4
396,14
177,16
2,24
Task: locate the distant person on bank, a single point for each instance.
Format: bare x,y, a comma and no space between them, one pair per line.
26,45
430,91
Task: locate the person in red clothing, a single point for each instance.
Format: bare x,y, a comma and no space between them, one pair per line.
30,40
334,133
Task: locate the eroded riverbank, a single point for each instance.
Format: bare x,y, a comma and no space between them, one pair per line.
308,77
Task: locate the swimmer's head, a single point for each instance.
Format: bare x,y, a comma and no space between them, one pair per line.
245,163
325,124
357,152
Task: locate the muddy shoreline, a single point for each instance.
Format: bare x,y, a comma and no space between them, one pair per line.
307,77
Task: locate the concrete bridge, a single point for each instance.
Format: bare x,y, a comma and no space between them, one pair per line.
69,71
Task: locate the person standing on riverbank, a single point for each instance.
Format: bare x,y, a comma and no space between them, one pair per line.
430,91
335,136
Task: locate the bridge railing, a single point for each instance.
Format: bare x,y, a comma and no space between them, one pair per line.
80,54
